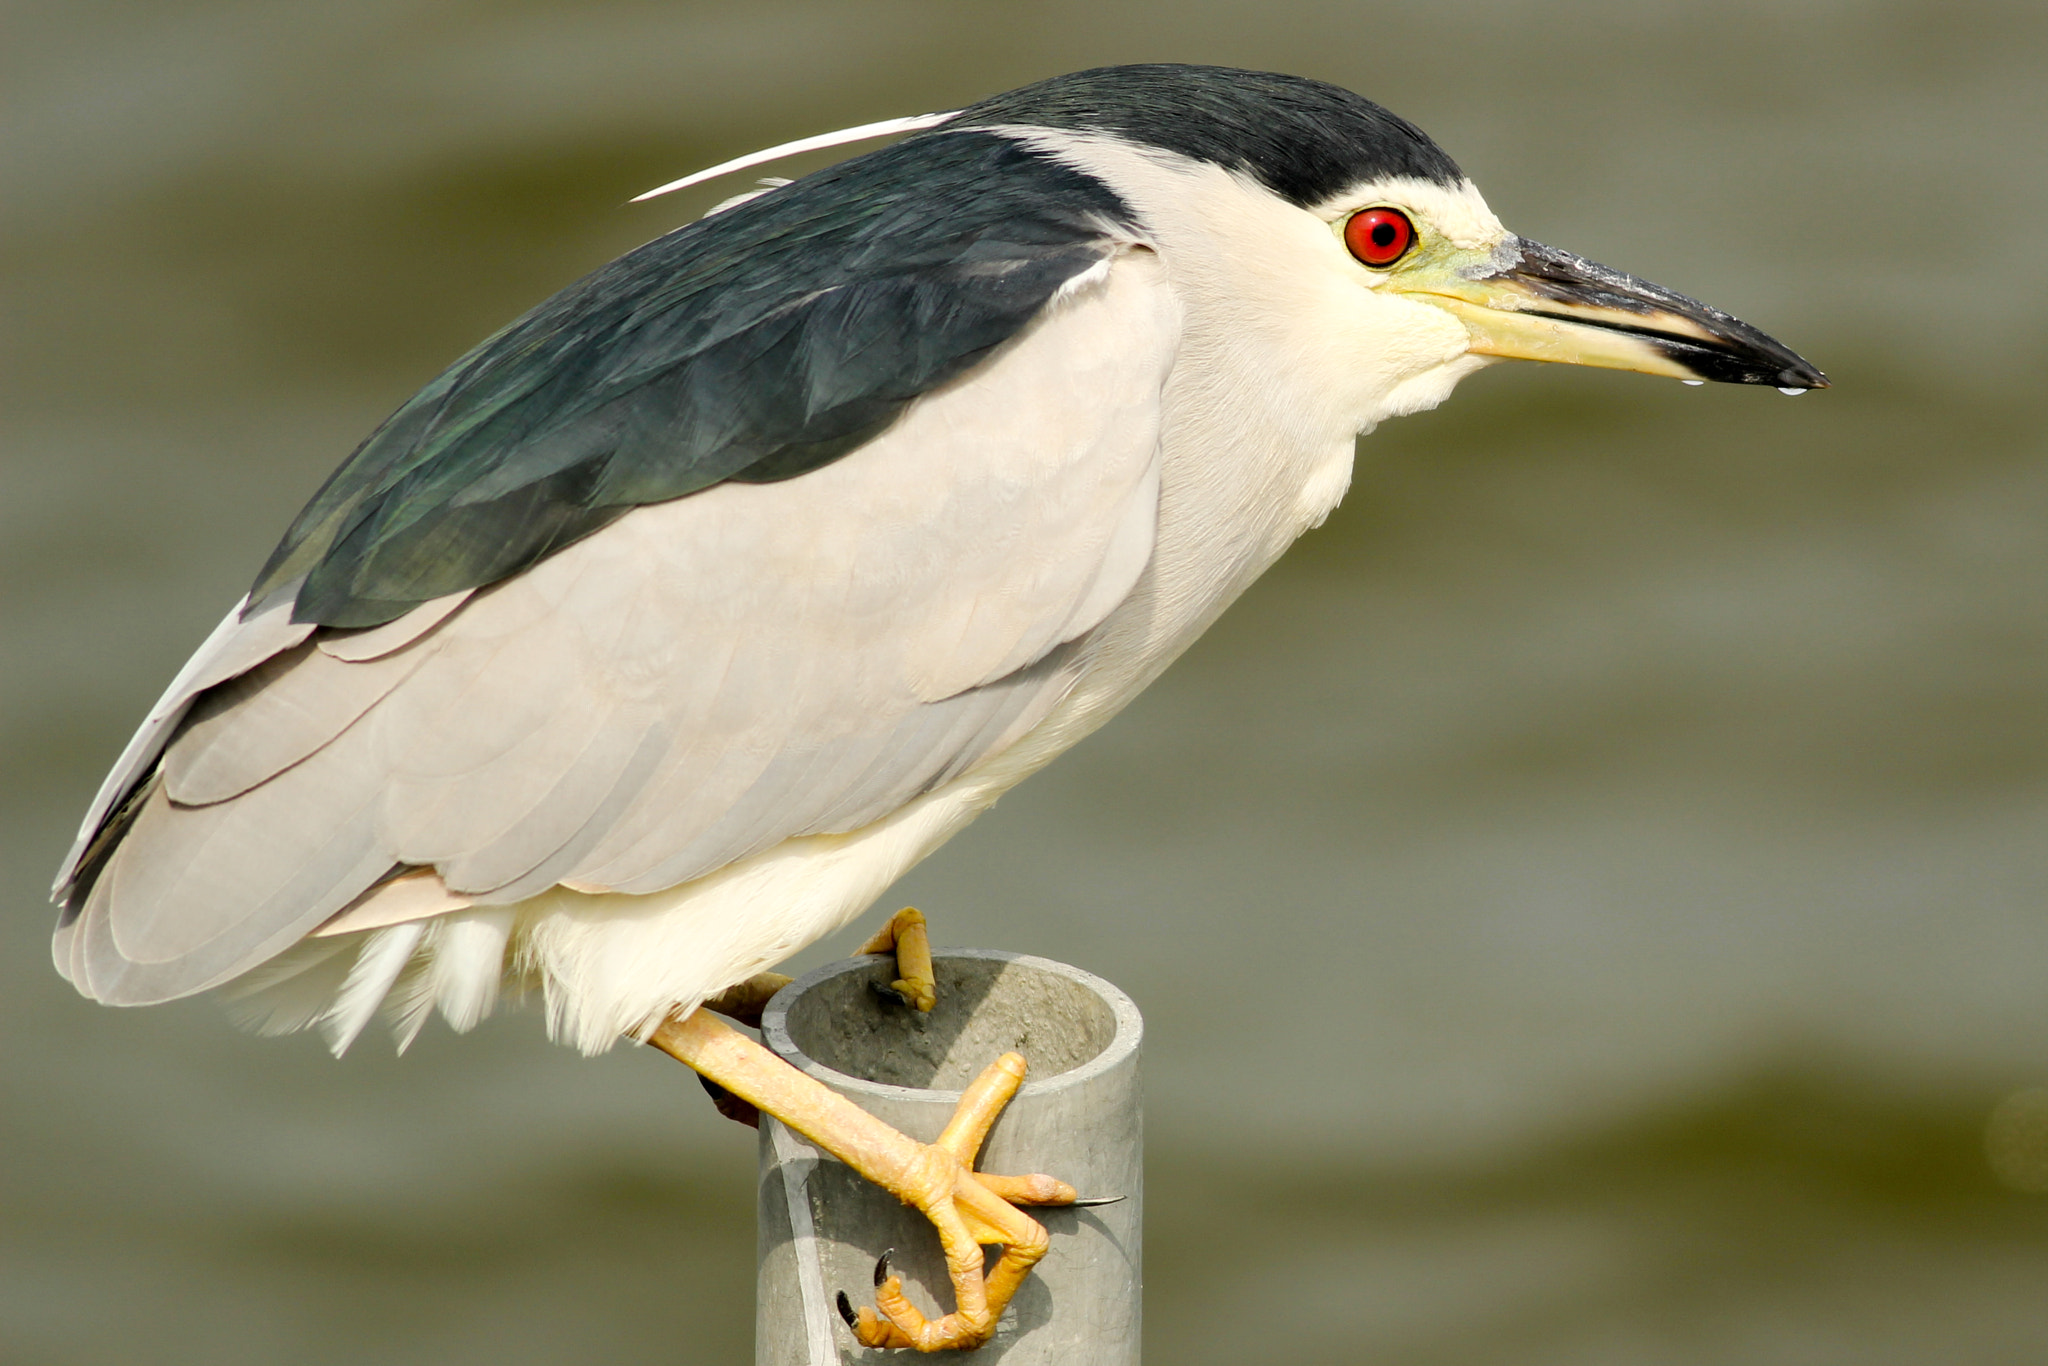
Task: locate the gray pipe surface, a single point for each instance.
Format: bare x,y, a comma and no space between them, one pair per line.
1077,1117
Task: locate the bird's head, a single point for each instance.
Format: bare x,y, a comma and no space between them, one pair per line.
1353,270
1440,247
1308,213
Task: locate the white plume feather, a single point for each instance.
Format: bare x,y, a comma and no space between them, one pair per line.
384,956
883,129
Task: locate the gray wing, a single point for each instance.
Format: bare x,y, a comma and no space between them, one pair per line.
700,680
234,647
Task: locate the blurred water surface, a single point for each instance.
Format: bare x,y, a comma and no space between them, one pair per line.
1588,902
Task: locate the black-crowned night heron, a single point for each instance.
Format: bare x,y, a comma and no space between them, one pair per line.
663,631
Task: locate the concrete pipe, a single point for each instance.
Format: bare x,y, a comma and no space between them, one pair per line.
1077,1117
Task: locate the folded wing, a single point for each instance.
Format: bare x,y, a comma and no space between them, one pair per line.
704,677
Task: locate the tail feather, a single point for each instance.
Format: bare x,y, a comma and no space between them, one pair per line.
293,990
452,962
384,956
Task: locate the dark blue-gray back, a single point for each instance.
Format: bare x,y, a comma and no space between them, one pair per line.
756,344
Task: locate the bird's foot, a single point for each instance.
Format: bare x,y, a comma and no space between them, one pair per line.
906,937
969,1209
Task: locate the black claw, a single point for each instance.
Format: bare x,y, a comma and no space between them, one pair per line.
882,1266
1089,1201
846,1311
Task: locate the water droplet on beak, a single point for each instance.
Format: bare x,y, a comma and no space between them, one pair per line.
1692,383
1791,391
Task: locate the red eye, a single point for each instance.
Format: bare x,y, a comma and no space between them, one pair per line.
1379,237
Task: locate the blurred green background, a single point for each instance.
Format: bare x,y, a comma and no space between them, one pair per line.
1588,901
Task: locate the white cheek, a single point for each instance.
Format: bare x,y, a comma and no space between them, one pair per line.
1397,356
1424,391
1420,336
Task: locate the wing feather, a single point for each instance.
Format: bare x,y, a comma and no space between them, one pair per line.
237,645
253,727
196,895
377,641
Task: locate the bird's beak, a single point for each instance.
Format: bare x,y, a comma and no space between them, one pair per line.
1532,302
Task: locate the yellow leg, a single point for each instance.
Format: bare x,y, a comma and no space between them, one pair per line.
905,936
967,1208
742,1001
